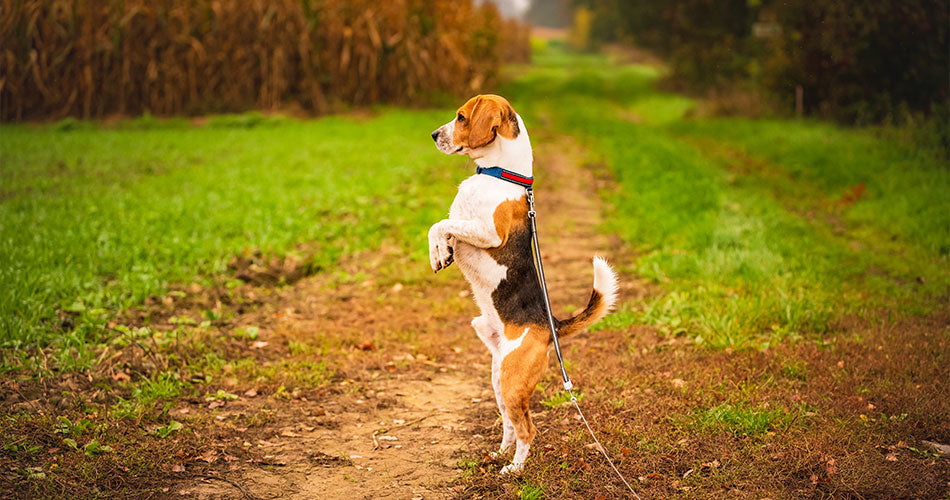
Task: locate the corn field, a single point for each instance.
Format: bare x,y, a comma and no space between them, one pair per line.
93,58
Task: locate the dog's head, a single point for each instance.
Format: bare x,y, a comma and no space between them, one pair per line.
477,124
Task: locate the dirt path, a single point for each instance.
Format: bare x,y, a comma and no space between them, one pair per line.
398,422
400,449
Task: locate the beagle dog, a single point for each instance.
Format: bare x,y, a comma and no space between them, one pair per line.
488,235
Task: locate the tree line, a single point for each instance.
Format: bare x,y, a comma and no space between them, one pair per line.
854,62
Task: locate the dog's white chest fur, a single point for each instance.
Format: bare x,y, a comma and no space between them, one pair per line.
477,198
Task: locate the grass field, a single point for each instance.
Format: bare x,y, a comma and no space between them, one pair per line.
174,289
95,219
759,229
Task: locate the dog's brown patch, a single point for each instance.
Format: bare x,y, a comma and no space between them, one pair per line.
510,217
521,370
483,118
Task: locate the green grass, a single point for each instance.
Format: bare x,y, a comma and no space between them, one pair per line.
531,491
905,187
741,221
742,419
94,219
148,393
560,398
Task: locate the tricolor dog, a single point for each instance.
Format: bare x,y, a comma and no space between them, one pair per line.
488,235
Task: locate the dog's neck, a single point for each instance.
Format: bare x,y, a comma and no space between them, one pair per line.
510,154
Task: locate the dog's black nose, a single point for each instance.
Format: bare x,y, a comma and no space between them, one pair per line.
435,135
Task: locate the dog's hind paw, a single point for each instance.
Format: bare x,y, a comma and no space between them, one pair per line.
512,468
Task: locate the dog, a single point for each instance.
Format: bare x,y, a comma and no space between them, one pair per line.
488,236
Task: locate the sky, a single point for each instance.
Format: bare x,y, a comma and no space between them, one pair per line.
512,7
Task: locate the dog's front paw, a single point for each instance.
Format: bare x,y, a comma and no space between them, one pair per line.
434,259
440,252
512,468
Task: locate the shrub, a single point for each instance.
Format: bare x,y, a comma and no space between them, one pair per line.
90,59
861,62
857,63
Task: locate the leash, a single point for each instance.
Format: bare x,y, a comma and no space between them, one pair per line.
568,384
526,182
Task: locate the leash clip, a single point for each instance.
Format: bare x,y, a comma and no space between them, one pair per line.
530,194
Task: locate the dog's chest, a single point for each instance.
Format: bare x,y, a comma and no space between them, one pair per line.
479,196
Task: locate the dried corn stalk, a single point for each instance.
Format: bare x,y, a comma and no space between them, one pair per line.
95,58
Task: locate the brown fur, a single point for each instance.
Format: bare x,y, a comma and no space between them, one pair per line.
509,216
521,371
596,308
484,117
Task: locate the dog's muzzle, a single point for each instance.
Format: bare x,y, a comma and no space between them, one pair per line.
443,139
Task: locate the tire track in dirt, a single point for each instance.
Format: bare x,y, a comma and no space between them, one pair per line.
389,432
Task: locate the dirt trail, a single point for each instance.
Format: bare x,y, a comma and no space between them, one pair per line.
369,450
399,433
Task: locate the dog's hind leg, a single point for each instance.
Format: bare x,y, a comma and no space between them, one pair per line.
508,436
521,370
520,416
491,337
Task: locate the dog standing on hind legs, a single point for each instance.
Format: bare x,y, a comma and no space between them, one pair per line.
488,236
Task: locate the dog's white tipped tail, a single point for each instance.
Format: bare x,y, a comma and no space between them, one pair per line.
605,282
602,299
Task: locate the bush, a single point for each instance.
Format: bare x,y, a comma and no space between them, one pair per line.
861,62
90,59
858,63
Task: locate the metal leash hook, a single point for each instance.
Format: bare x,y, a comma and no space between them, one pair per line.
568,384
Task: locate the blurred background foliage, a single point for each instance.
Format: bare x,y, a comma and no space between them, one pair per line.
865,63
853,62
63,58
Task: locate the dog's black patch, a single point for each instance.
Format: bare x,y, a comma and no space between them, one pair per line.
513,118
518,298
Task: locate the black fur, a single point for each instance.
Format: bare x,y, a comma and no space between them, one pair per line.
513,118
518,298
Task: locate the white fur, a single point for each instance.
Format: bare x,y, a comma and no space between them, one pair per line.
605,281
521,454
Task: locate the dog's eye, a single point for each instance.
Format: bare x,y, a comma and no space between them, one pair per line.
461,118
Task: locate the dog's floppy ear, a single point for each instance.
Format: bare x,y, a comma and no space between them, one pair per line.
490,116
486,118
509,122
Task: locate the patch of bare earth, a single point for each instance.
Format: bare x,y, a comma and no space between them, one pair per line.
412,374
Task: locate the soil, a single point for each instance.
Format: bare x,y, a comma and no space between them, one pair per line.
401,433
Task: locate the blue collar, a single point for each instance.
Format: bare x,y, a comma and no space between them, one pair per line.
507,175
